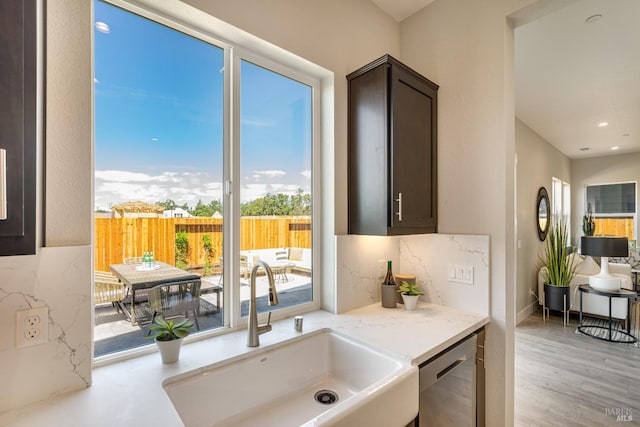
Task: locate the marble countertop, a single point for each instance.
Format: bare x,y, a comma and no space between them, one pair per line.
130,392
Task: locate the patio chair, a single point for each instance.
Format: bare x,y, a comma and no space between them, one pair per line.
208,287
175,299
108,289
245,267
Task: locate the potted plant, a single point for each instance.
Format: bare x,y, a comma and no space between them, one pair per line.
560,268
588,224
168,335
410,294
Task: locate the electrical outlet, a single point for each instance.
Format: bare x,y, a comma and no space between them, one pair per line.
32,326
32,321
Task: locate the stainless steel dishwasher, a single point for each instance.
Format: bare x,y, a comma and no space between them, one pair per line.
452,385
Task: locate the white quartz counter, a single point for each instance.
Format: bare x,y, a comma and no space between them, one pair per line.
130,393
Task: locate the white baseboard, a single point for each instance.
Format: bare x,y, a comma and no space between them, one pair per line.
525,312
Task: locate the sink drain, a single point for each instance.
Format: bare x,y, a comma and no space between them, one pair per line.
326,397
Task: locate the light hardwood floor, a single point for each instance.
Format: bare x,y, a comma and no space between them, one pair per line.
567,379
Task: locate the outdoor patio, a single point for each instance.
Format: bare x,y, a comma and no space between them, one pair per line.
113,332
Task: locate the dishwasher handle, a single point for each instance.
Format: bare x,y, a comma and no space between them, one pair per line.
455,357
450,368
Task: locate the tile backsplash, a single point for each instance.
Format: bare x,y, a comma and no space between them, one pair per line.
60,278
427,256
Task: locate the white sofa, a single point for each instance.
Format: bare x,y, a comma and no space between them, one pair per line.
299,258
593,304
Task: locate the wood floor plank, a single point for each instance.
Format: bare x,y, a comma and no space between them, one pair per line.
563,378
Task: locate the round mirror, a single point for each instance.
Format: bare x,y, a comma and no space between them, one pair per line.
543,213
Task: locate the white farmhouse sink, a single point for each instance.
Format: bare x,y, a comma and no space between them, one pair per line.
276,385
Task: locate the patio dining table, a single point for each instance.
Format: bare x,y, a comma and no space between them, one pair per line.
135,278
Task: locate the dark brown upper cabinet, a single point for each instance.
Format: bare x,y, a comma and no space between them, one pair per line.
392,150
18,124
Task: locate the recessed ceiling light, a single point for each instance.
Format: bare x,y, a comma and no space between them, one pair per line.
584,149
615,148
593,18
603,124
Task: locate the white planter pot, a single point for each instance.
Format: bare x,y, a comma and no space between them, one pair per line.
410,301
169,350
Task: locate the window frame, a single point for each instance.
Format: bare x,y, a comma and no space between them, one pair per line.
269,57
239,54
561,202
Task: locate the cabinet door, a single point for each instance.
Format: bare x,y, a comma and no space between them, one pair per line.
368,143
18,123
414,156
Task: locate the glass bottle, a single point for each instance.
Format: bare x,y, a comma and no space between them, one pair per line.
389,289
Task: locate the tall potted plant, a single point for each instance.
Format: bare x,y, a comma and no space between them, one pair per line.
561,268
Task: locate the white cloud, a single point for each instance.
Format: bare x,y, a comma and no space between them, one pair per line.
115,186
270,173
306,174
258,123
103,27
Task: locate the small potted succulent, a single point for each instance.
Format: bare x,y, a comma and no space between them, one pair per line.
168,335
410,294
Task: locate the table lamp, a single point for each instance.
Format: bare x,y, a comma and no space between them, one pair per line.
604,247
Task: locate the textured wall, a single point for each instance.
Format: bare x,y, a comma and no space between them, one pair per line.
538,162
426,256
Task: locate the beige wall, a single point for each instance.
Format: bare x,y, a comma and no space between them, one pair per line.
467,48
538,162
69,121
601,170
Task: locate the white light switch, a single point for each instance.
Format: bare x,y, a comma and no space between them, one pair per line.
452,272
460,273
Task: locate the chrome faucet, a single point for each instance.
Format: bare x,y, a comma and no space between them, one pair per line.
256,330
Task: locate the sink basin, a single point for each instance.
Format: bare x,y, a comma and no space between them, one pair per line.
295,383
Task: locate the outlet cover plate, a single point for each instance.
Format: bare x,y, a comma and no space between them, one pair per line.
32,326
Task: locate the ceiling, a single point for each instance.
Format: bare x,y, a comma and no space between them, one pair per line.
571,76
401,9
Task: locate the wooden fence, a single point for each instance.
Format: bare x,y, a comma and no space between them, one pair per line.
118,238
614,227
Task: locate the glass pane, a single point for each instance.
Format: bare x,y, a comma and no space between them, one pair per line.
158,169
275,193
615,227
612,198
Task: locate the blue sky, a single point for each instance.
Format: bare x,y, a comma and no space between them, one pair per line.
159,121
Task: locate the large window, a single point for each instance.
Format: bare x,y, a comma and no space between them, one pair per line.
203,156
561,201
614,208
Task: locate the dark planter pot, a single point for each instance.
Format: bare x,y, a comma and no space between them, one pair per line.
554,297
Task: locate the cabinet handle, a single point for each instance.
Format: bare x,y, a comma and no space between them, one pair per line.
399,200
3,184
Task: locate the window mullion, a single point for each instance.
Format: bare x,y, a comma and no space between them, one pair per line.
233,159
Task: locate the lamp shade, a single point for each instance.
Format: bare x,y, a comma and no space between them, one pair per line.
604,246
